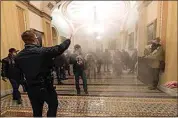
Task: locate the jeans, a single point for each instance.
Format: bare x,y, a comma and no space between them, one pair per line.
81,74
15,86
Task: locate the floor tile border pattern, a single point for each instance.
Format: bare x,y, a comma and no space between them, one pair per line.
74,112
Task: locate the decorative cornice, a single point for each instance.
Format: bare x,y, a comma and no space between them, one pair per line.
36,10
45,15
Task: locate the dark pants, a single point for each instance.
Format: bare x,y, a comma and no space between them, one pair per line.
132,65
99,67
68,69
38,97
155,76
117,68
106,66
83,76
15,87
61,75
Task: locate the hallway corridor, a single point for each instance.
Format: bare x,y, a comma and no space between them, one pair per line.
125,96
134,42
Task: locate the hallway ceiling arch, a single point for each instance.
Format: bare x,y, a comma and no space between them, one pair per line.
82,12
98,12
77,13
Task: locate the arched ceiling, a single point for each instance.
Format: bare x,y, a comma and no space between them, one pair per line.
117,14
114,13
103,11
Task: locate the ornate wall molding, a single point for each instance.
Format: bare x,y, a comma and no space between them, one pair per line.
36,10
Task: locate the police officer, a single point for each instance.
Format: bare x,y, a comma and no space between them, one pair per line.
35,62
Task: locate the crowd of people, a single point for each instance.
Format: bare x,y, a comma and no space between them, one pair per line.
36,66
95,63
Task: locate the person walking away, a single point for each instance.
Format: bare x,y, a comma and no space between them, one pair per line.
35,63
78,61
9,71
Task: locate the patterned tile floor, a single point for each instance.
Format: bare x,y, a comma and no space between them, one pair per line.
98,106
124,96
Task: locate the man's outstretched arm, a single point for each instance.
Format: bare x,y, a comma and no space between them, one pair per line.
56,50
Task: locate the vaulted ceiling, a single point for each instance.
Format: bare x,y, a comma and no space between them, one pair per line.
108,13
71,16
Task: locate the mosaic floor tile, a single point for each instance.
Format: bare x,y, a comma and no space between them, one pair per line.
99,106
124,96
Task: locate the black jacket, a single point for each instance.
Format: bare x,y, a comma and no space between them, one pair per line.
8,68
35,61
60,61
77,67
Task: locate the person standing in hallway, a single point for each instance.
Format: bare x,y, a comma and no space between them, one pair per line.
99,60
9,71
154,59
91,66
133,61
60,63
67,55
125,59
35,63
117,63
78,61
107,59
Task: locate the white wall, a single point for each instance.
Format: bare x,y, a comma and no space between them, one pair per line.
35,21
152,11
